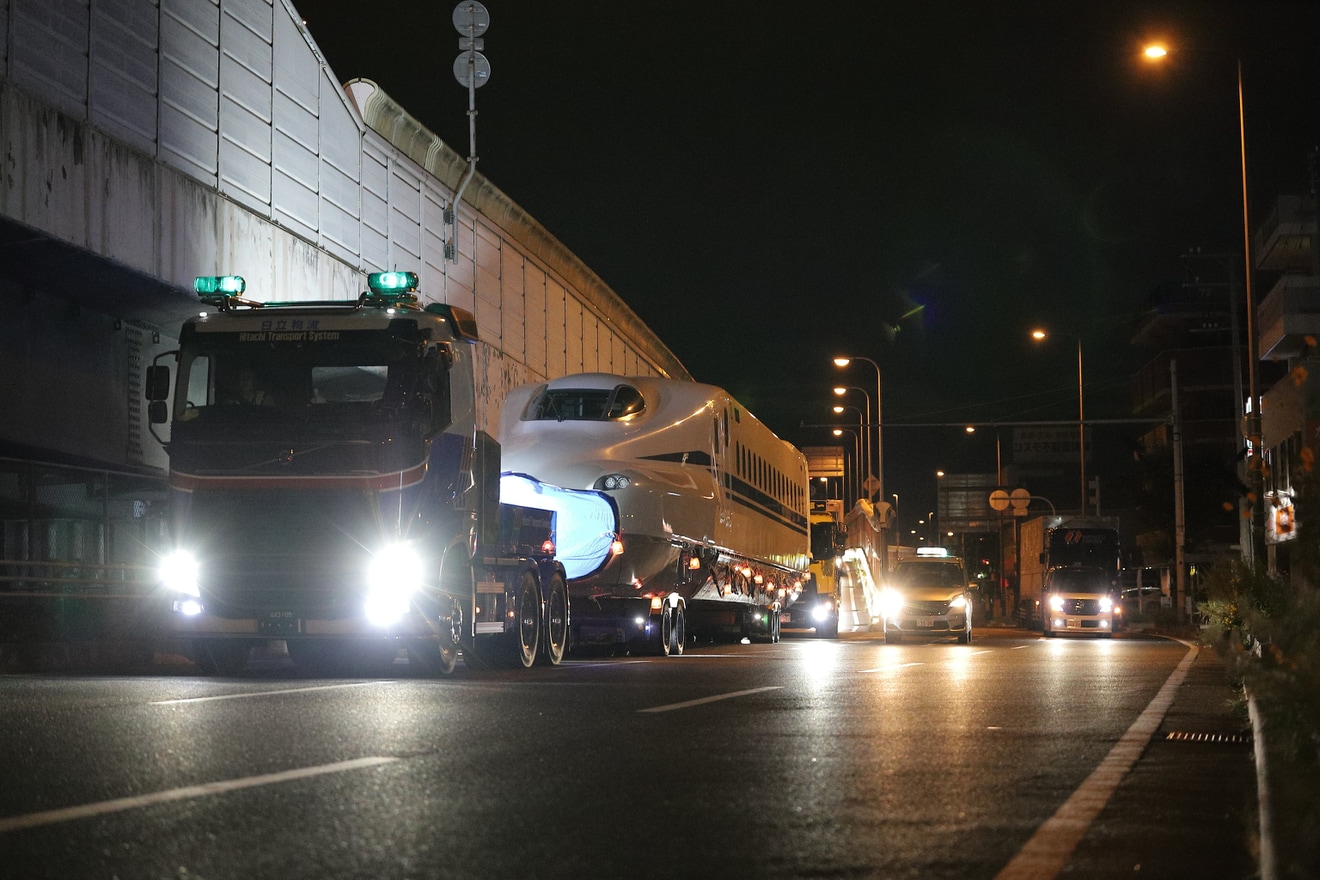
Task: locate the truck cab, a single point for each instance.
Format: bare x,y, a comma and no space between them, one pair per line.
1079,599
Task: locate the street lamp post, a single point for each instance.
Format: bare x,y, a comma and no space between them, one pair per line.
842,361
1156,53
839,432
1040,335
865,437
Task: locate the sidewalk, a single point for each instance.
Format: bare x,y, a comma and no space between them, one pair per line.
1188,808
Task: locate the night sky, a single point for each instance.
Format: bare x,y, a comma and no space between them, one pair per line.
768,184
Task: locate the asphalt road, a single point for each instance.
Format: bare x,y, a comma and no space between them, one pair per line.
806,758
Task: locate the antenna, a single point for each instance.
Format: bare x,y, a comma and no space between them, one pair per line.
471,69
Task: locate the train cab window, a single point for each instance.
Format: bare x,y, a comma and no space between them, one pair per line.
584,404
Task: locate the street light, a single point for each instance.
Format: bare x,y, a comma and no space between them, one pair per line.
1156,53
839,432
1040,335
842,361
841,390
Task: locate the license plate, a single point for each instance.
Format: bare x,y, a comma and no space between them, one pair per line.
785,617
279,623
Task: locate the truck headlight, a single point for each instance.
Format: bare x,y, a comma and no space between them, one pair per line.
1106,604
1056,603
179,572
393,575
821,612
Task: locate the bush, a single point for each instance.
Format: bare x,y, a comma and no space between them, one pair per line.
1270,629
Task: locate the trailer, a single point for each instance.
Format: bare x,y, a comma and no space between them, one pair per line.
712,540
330,490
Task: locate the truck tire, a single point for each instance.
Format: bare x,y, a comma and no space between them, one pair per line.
556,621
525,640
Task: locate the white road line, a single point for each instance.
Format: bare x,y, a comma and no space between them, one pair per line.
1048,850
244,696
688,704
893,666
1019,647
118,805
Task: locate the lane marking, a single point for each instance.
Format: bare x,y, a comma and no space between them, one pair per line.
1049,849
119,805
1020,647
893,666
701,702
244,696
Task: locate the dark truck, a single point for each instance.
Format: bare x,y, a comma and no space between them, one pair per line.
330,489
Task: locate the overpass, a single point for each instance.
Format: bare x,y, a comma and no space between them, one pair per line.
145,142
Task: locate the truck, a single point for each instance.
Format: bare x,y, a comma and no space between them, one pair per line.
1069,574
330,489
817,607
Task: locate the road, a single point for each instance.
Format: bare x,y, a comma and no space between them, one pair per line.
806,758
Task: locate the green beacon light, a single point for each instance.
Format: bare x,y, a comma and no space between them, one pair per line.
223,285
387,283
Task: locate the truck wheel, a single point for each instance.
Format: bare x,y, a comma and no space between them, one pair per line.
221,656
556,621
526,635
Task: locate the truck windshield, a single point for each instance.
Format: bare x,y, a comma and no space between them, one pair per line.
347,383
1078,581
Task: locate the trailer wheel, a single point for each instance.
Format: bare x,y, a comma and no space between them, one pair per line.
677,631
527,622
556,621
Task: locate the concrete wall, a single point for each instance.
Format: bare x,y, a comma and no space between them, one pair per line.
176,138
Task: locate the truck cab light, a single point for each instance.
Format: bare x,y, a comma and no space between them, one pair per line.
210,285
382,283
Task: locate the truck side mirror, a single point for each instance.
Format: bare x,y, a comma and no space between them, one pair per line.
158,412
157,386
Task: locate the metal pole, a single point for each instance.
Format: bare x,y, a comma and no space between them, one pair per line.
1081,424
1255,461
1179,511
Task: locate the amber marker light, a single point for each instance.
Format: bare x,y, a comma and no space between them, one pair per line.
1155,51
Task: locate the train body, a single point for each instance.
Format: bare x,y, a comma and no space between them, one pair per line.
712,532
329,489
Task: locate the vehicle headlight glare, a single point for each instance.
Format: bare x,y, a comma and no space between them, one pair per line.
821,611
393,575
1056,603
179,572
890,603
1106,604
958,603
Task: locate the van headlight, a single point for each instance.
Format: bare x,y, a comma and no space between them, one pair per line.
393,576
958,603
180,572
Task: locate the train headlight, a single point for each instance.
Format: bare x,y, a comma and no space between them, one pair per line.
612,481
393,575
179,572
1056,603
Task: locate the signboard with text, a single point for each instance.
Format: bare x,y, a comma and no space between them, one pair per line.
1048,443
